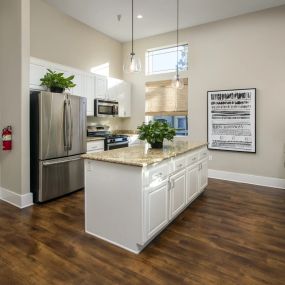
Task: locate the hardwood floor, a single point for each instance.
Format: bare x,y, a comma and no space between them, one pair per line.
233,234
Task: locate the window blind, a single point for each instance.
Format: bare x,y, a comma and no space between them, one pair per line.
162,99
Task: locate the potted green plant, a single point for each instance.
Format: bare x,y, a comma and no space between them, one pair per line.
56,82
155,132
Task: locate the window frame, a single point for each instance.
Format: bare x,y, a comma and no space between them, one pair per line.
147,73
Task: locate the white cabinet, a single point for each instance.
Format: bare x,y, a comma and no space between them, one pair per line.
177,193
36,73
203,174
95,146
120,91
78,89
152,196
88,85
124,99
88,90
156,209
101,86
192,182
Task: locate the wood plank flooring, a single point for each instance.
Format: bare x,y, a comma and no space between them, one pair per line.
233,234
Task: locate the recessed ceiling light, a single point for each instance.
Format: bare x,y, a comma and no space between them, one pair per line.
139,16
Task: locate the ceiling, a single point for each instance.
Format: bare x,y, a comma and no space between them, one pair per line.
159,16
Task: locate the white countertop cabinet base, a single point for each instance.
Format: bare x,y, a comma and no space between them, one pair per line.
129,205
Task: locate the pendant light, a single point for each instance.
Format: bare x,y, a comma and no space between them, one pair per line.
133,63
177,82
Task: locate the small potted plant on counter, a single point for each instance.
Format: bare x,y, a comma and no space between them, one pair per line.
56,82
155,132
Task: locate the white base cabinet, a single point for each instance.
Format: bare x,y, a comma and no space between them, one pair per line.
156,209
177,191
192,179
130,209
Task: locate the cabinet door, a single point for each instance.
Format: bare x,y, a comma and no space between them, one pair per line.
177,193
203,175
77,90
124,99
88,92
101,85
156,209
36,73
192,182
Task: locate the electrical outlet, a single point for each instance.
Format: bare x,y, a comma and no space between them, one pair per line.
210,157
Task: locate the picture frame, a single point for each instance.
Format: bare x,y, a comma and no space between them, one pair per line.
231,120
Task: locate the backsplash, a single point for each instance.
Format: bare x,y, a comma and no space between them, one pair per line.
114,123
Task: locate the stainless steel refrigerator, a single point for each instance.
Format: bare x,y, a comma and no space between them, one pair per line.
57,139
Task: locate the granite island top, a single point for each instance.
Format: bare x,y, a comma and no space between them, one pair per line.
142,155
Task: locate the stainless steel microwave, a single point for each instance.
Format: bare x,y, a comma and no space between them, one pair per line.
106,108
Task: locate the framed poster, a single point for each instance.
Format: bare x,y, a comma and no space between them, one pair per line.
231,120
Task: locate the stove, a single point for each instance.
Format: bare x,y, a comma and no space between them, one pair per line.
110,141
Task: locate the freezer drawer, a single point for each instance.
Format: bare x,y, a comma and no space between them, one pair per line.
58,177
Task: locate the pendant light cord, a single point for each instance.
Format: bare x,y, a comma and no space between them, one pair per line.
132,27
177,14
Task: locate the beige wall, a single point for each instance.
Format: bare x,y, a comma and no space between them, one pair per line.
14,92
242,52
59,38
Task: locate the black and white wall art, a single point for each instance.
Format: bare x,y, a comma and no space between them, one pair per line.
231,120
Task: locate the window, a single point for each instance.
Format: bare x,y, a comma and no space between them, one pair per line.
163,103
179,123
164,60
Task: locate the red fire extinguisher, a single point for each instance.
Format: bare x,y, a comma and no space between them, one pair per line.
7,138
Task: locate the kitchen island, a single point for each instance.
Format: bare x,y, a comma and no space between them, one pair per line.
132,194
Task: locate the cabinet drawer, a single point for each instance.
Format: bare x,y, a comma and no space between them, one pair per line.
203,154
156,173
179,163
192,158
95,146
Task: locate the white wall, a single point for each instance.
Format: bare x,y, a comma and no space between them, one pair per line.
242,52
14,92
59,38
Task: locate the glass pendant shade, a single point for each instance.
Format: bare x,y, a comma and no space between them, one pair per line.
177,82
132,64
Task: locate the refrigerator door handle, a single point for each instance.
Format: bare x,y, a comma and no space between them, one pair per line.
70,126
65,126
47,163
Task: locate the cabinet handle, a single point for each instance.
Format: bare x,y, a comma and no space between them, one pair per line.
160,174
169,185
193,159
180,165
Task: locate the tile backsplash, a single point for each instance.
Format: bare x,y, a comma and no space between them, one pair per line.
114,123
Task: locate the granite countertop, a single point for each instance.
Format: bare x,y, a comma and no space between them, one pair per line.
142,155
91,139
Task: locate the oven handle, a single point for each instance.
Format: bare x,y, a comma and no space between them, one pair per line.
119,143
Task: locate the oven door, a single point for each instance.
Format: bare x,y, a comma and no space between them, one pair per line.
117,145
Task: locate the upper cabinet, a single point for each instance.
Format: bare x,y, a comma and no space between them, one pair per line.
37,71
101,86
89,85
88,91
120,91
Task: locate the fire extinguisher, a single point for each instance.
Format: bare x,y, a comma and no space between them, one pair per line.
7,138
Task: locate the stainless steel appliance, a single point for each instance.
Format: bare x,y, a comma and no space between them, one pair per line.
111,141
57,139
104,108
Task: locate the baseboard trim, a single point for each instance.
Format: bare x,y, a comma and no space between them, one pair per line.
247,178
17,200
